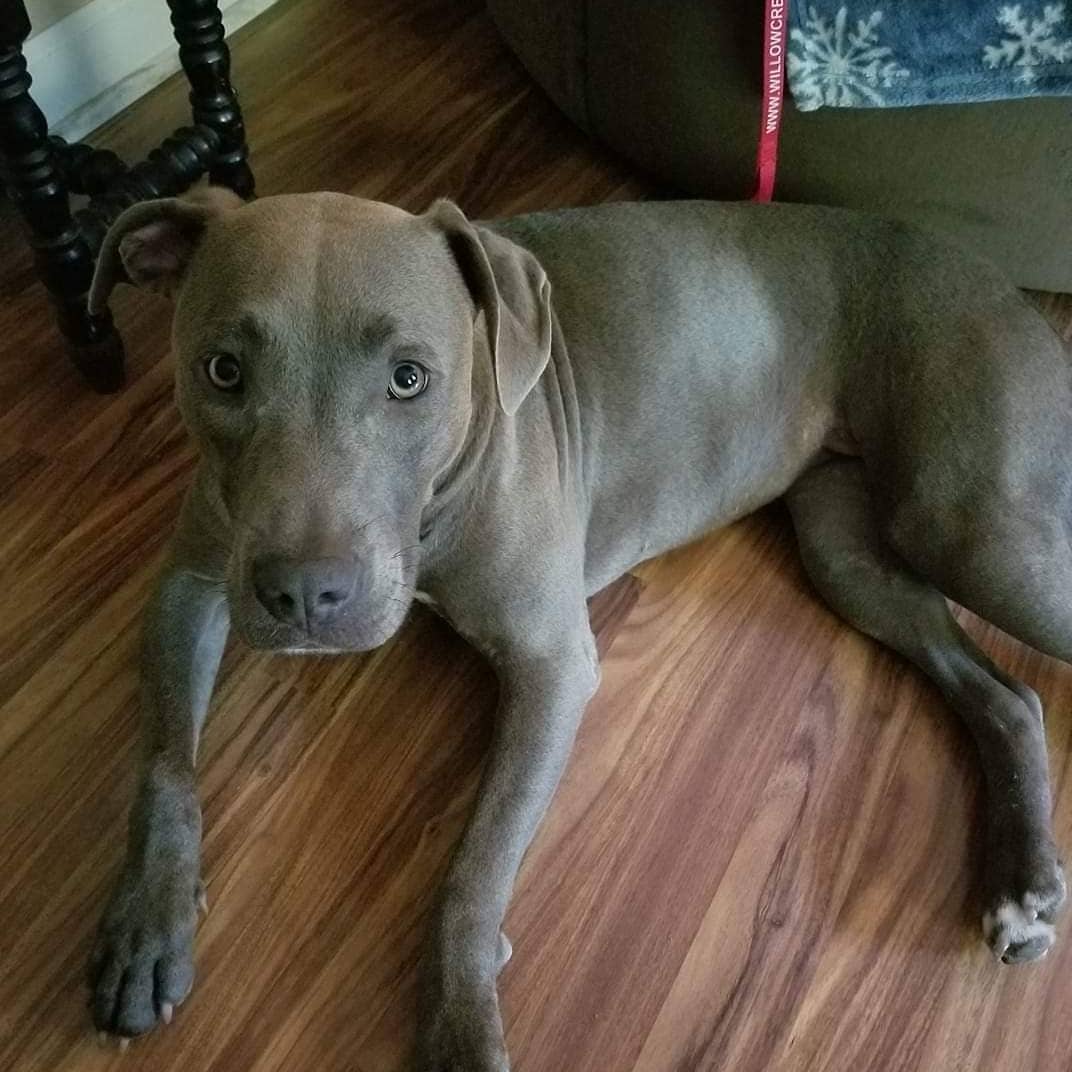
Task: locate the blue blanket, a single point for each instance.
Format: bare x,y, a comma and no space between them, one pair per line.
890,53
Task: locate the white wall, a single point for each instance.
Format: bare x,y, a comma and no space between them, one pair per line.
99,56
43,13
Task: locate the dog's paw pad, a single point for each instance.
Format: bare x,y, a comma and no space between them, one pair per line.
1019,932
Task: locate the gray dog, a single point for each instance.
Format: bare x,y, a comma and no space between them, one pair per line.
501,418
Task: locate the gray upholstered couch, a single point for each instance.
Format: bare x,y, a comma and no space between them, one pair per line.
675,86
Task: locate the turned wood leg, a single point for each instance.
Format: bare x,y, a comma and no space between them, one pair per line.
207,63
64,259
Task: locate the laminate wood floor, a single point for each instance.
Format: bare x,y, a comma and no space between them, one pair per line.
762,857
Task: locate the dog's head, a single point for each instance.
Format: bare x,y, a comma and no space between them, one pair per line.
331,354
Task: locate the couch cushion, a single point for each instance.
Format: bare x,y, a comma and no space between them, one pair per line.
677,88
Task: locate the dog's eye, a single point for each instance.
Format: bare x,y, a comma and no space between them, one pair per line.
224,372
407,380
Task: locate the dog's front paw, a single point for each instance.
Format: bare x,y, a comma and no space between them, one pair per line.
1019,923
142,964
461,1031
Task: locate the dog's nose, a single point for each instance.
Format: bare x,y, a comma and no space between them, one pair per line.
302,592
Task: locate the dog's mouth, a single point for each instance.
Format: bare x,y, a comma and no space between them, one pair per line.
359,631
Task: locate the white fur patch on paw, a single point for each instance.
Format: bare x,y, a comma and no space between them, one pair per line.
505,951
1015,932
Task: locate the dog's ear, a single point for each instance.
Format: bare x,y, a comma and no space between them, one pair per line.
510,286
151,243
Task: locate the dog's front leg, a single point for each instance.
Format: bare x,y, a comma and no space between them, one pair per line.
142,965
542,700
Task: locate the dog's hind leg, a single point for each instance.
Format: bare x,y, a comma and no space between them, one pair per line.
1013,568
873,589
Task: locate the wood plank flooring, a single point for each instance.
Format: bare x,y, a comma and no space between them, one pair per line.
762,858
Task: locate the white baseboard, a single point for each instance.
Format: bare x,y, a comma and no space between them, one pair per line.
90,65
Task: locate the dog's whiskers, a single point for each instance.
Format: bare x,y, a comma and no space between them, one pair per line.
368,524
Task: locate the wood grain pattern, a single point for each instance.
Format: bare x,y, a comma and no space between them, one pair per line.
763,854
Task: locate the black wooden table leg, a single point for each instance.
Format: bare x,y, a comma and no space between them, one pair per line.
207,63
64,259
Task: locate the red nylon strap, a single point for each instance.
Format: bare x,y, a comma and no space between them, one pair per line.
775,37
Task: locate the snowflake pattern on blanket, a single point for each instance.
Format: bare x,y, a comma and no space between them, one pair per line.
908,52
836,63
1029,42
